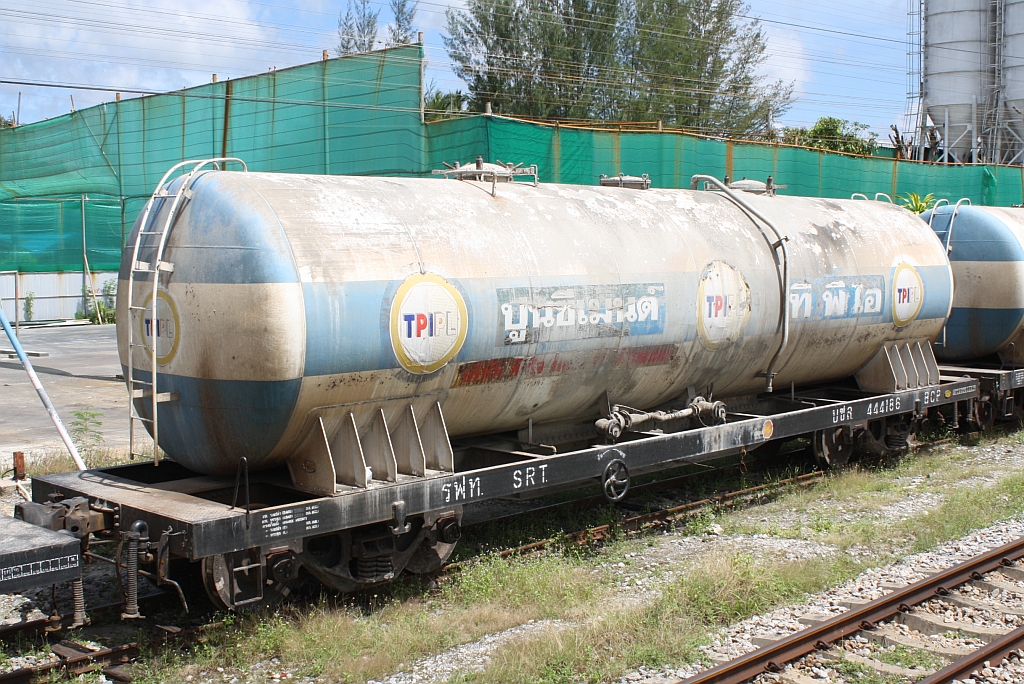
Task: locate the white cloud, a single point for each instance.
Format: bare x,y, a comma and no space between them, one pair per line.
787,58
151,45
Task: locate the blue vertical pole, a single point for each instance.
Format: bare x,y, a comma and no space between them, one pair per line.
40,391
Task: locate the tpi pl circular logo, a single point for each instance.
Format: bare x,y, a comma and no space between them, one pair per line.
907,294
167,326
428,323
723,304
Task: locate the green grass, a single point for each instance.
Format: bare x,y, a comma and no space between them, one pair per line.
356,642
910,658
54,460
862,674
719,590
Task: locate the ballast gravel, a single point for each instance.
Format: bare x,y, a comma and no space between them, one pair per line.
467,658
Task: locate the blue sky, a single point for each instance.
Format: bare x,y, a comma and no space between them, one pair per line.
846,59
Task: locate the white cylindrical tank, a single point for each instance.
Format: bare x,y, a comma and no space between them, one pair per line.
956,66
293,293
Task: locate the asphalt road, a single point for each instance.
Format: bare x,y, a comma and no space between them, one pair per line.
79,374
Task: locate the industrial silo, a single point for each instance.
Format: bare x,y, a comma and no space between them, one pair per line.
956,67
1013,68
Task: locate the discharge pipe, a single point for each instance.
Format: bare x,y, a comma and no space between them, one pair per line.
40,391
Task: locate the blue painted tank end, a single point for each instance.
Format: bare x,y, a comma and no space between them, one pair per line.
232,236
222,419
972,333
977,235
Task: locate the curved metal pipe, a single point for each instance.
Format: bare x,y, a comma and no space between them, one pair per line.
781,266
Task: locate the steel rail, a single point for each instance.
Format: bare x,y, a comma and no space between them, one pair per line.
772,658
74,659
76,664
994,651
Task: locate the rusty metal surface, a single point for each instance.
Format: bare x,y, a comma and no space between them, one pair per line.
773,657
284,284
993,652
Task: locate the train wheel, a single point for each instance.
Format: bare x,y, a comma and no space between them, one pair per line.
832,447
242,580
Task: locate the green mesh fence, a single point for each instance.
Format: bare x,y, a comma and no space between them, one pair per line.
356,115
361,115
579,156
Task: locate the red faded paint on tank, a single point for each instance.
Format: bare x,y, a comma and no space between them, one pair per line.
483,372
503,370
656,355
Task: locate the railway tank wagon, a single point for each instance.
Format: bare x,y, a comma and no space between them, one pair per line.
985,331
307,306
986,252
366,356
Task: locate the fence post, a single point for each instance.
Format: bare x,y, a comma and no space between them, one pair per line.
87,288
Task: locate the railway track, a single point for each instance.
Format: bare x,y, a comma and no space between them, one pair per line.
991,584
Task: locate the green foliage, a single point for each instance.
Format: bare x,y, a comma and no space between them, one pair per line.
30,301
916,203
838,135
443,105
85,429
6,122
99,307
357,28
689,63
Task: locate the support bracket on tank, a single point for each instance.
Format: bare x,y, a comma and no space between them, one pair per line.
311,467
899,366
338,454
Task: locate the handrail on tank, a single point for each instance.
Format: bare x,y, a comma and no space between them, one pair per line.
949,231
858,194
200,163
197,165
781,265
935,207
882,194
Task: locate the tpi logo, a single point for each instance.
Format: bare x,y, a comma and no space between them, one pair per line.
719,305
723,304
436,324
168,326
428,323
907,294
164,327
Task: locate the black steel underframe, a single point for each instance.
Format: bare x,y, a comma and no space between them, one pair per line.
207,528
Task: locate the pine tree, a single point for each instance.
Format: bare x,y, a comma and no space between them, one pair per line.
401,31
357,28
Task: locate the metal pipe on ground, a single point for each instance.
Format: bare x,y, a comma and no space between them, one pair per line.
34,379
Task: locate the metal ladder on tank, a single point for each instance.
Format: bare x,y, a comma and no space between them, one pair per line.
137,387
